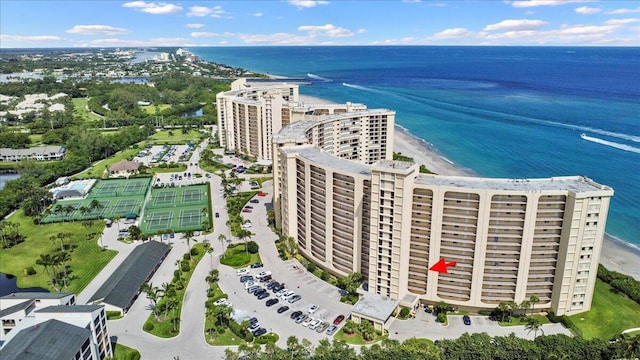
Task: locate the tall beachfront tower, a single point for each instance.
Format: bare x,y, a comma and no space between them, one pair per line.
511,239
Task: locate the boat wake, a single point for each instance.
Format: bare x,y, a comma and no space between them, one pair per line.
611,143
318,77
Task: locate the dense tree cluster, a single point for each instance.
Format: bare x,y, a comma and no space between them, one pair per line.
621,282
473,347
14,140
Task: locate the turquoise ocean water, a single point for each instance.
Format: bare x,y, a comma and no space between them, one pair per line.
509,112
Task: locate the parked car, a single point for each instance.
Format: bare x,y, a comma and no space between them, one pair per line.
294,298
263,274
246,210
287,294
221,301
245,278
282,309
249,284
254,201
307,321
281,292
313,308
255,326
263,295
277,288
322,327
272,284
241,272
256,265
260,292
272,302
331,330
265,278
253,289
217,214
295,314
260,332
253,320
301,318
466,319
338,319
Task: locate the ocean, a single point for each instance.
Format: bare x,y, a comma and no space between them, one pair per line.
508,112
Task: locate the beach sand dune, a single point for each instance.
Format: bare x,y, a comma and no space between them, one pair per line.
616,255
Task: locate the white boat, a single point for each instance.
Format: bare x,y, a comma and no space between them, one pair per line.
583,135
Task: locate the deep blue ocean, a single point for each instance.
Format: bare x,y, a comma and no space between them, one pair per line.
509,112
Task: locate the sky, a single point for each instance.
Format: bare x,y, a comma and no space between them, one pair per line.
110,23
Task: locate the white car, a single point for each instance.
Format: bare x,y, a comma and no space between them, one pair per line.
314,324
262,274
248,284
247,225
221,301
282,292
241,272
287,294
307,321
313,308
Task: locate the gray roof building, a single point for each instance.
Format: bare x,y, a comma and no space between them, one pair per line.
122,287
49,340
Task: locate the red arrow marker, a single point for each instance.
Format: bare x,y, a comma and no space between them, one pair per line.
441,266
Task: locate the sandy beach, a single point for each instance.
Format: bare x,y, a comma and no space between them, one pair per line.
616,255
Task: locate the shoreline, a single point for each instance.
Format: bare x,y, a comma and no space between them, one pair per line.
616,254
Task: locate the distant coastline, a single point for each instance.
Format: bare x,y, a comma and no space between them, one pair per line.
616,254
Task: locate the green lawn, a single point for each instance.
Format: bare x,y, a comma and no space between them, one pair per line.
121,352
227,338
517,321
237,257
35,139
164,327
177,136
610,314
86,260
355,339
178,168
151,109
97,169
80,110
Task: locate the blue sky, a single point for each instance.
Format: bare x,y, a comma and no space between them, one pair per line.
86,23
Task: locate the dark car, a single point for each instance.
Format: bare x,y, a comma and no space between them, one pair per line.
217,214
272,285
253,320
260,331
265,278
338,319
295,314
256,265
272,302
282,309
246,278
255,290
263,295
294,298
277,288
254,201
260,292
466,319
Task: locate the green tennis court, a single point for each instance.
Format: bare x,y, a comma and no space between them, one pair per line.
178,209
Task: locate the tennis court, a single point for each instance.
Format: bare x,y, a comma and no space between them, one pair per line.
107,199
178,209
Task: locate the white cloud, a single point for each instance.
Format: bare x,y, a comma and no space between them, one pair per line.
307,3
203,34
275,39
96,30
534,3
585,10
452,34
521,24
361,31
34,38
258,14
199,11
623,11
329,30
153,8
621,21
195,26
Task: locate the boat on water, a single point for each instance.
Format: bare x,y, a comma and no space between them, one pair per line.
583,135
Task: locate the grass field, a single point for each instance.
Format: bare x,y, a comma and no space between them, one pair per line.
80,110
237,257
121,352
610,314
35,139
356,338
86,260
151,109
162,136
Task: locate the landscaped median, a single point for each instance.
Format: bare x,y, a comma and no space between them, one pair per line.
164,321
359,334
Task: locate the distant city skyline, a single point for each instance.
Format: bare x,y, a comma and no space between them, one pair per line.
42,24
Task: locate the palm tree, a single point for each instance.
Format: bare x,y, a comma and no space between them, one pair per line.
153,294
525,305
84,210
244,235
188,235
533,300
46,260
213,276
209,249
222,313
95,205
534,325
68,210
222,239
62,257
503,307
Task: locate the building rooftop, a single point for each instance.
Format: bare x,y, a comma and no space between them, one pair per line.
320,157
124,284
51,149
36,295
576,184
69,309
375,306
17,307
394,164
124,165
49,340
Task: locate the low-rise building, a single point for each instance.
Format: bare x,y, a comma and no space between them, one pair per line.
38,153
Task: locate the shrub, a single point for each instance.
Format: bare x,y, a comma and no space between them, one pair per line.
30,271
148,326
252,247
185,257
177,274
113,315
553,317
194,252
185,266
441,318
311,267
404,312
485,312
324,276
248,336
